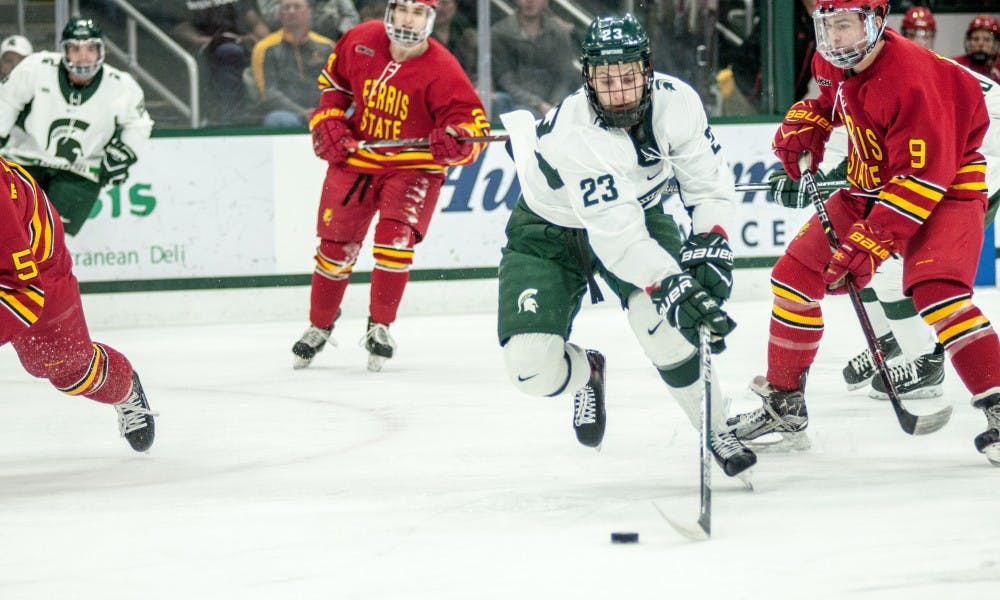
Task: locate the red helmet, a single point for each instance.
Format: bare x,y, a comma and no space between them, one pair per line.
987,22
919,17
869,5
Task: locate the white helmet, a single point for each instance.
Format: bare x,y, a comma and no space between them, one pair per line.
410,37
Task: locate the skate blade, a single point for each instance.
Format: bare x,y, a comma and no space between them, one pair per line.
857,386
992,453
931,391
375,362
300,363
746,478
782,442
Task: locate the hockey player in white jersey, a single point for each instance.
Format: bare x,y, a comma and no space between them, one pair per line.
72,121
591,174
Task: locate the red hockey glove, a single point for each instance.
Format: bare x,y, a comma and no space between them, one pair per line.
445,145
860,253
805,129
331,135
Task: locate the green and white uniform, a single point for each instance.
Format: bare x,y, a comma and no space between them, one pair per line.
591,203
57,128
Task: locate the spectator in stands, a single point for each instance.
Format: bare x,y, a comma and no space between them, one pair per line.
331,18
12,51
533,56
982,42
371,9
221,34
285,66
805,47
454,30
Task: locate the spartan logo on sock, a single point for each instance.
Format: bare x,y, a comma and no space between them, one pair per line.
64,138
527,302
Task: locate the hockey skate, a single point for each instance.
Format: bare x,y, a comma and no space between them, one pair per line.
783,413
312,341
589,417
921,378
859,370
379,344
733,457
988,442
135,420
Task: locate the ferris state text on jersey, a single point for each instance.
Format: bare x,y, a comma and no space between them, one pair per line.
397,100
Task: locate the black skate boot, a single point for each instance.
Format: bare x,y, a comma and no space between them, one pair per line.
921,378
859,370
135,420
379,344
312,341
783,412
731,454
589,417
988,442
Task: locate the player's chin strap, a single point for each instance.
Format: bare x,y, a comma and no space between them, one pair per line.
911,423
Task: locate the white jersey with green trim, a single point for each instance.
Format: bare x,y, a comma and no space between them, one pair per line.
67,127
575,172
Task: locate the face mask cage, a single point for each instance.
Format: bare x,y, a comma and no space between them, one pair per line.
403,35
88,70
848,56
629,117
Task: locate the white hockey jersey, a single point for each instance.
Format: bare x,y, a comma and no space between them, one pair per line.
68,127
576,173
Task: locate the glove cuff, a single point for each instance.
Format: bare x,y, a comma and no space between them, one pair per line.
322,114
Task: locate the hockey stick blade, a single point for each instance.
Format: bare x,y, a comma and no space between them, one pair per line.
695,532
909,422
425,142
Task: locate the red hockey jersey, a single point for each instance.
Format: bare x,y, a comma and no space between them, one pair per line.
394,100
915,121
30,246
990,69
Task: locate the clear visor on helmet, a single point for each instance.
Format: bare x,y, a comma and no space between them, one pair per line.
408,23
924,37
88,56
844,37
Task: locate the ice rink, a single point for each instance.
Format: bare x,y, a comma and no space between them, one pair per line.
435,479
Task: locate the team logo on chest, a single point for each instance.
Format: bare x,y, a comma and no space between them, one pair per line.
64,138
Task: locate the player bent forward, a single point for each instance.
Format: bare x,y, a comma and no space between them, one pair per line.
917,189
41,314
591,174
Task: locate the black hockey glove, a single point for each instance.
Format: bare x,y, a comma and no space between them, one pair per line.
787,192
686,305
709,259
118,157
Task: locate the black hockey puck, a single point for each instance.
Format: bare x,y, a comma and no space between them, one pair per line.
619,537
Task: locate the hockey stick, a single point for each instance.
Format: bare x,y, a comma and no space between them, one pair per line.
703,530
911,423
424,142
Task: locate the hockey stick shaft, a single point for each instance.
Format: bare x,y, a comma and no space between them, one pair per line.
911,423
425,142
705,516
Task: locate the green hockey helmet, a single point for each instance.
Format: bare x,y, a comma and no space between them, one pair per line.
617,42
82,30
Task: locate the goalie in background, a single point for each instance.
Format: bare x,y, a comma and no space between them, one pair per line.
41,315
591,174
86,121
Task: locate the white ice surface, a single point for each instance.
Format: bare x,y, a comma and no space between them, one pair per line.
435,479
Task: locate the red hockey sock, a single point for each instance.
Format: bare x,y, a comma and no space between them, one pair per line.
796,323
334,263
393,253
106,378
963,330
